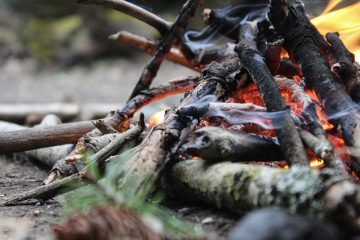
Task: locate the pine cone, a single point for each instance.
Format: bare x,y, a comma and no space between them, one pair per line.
104,223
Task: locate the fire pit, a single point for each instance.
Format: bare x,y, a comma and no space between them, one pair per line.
272,120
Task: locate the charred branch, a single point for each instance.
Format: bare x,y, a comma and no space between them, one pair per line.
167,41
253,62
242,187
305,43
288,69
219,145
344,65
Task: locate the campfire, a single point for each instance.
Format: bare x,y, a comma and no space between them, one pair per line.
271,120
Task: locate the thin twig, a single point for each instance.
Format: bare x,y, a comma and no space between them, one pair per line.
149,46
167,41
132,10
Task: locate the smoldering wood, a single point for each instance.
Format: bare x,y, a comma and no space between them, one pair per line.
317,141
74,180
158,147
306,44
344,65
253,62
288,69
270,44
219,145
172,36
243,187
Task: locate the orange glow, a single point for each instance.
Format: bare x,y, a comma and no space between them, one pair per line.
346,21
316,163
157,118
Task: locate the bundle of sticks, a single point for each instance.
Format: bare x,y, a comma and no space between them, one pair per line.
241,167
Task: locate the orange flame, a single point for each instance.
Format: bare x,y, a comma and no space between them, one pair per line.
346,21
157,118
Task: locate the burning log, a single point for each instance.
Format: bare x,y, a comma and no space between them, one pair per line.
305,43
318,142
219,145
253,62
242,187
344,66
167,41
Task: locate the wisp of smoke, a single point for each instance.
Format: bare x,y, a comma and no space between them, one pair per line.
207,107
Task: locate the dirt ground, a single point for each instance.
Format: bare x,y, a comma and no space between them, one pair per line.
105,81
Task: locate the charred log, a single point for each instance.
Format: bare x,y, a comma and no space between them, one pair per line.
305,43
344,65
253,62
219,145
288,69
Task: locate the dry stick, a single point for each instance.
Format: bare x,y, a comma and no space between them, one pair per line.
317,142
47,156
250,57
243,187
149,46
167,41
32,138
119,120
148,161
66,184
19,112
132,10
344,65
304,42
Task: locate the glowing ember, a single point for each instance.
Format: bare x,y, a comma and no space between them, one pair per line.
346,21
157,118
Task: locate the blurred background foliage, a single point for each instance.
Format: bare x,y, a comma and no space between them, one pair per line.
64,32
